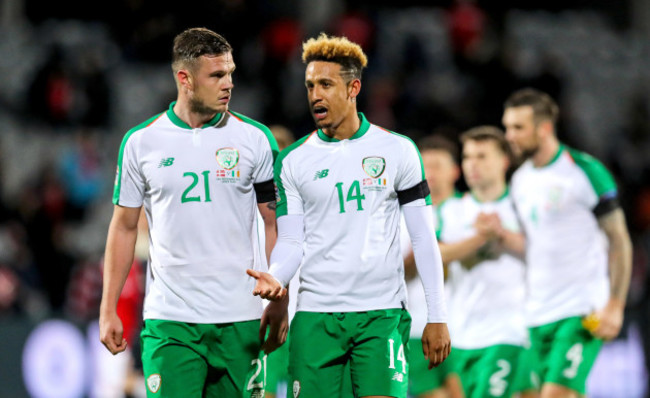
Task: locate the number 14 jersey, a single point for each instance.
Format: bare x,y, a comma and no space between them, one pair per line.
347,192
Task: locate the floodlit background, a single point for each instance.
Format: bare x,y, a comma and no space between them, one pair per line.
75,76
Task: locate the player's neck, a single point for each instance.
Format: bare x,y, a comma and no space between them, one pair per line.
346,129
546,153
193,119
440,195
490,193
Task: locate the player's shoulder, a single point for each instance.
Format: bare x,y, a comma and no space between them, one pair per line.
258,129
598,175
249,122
392,137
297,148
139,129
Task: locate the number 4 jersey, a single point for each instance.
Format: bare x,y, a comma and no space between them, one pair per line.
347,191
198,188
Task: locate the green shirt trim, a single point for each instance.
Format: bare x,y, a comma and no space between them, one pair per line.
281,197
120,156
427,200
555,157
363,129
439,221
504,195
600,178
267,132
180,123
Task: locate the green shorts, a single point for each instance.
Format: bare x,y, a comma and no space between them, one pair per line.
277,368
374,343
202,360
565,352
487,372
421,378
526,377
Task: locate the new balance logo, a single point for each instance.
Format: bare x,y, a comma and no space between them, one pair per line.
321,174
164,162
399,377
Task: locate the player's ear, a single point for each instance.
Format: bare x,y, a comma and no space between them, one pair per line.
354,87
185,79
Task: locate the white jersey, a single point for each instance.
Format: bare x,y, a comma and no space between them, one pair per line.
347,192
566,251
198,187
486,292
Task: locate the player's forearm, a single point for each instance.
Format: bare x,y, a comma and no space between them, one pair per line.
267,210
118,257
620,266
619,253
513,242
458,251
287,253
419,221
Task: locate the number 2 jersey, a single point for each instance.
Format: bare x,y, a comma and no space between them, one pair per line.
198,187
347,192
566,252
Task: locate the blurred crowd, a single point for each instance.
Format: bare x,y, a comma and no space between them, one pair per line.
75,77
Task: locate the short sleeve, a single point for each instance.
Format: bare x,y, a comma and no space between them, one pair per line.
129,182
287,197
410,184
604,197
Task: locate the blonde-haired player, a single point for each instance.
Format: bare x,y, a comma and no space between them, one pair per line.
340,190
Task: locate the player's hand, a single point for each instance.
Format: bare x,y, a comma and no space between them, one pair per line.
610,320
436,344
276,317
267,286
488,225
111,332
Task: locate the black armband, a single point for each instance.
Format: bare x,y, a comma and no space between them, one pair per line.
605,206
264,191
419,191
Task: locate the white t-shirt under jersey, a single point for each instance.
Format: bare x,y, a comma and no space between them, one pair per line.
486,294
197,188
347,193
566,256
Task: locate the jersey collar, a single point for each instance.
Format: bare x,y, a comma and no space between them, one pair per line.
503,195
178,122
363,129
560,149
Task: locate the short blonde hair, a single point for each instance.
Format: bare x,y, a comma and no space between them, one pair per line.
336,49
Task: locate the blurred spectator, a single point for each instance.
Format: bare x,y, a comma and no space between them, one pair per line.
81,173
51,93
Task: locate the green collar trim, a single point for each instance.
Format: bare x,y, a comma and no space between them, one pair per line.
180,123
363,129
503,196
555,157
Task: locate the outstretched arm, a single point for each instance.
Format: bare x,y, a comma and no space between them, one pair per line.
285,259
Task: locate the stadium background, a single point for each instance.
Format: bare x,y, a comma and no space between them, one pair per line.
74,76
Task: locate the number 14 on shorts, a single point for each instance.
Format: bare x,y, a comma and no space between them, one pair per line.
400,357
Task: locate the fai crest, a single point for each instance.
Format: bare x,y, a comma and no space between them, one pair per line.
153,383
296,389
374,166
227,158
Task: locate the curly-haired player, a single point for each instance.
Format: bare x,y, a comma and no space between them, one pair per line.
340,191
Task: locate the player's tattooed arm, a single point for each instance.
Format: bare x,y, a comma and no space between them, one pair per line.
272,205
620,252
